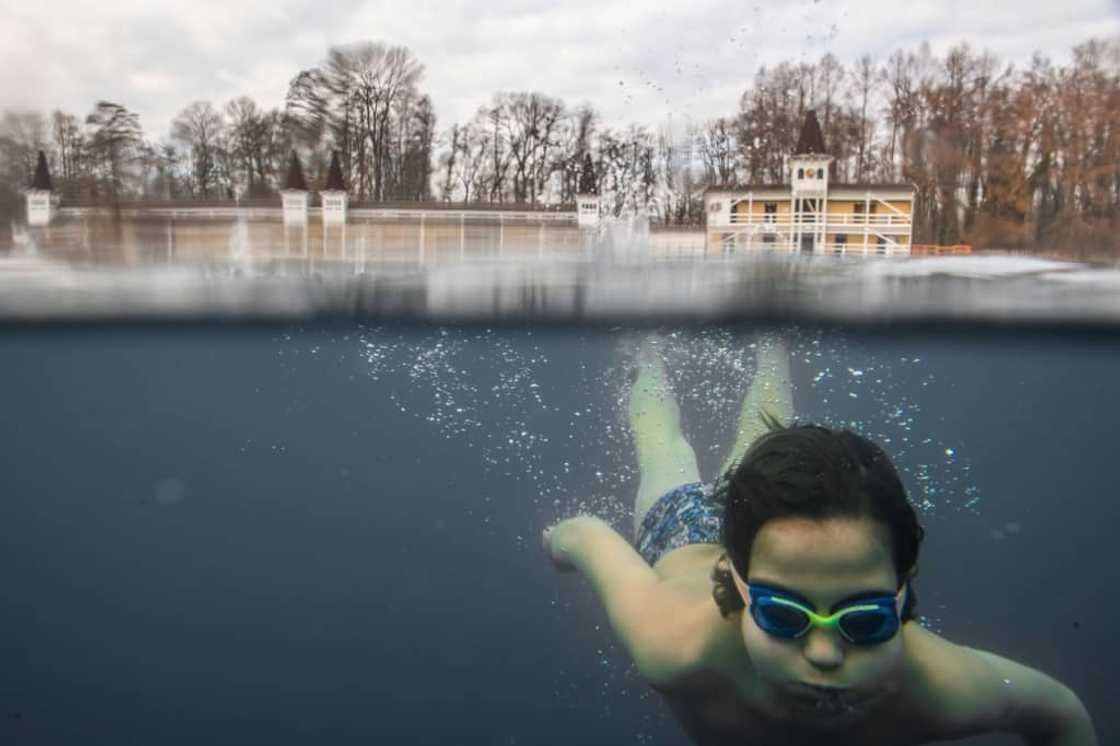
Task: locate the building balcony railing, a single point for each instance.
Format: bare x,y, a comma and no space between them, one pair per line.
845,219
821,249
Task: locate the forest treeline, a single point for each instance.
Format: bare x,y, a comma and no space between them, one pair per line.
1023,157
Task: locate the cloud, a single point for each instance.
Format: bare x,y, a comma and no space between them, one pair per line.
632,61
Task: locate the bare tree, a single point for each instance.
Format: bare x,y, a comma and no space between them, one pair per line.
413,173
576,135
865,83
307,110
830,75
719,151
22,135
114,134
369,80
474,160
199,127
675,199
499,148
448,162
770,114
531,125
69,144
627,178
250,137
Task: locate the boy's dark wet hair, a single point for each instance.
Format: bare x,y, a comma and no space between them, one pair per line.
807,471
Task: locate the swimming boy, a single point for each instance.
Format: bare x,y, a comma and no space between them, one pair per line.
777,606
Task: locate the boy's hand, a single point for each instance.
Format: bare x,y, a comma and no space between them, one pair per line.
559,541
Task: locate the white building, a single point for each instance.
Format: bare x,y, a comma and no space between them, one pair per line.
810,214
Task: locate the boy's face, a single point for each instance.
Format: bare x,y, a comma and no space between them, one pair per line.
825,561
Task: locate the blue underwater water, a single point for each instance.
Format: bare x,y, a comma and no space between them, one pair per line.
266,534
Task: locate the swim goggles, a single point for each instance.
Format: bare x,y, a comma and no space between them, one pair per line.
865,622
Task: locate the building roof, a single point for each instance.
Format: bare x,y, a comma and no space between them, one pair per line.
811,141
42,178
865,187
295,179
744,188
334,175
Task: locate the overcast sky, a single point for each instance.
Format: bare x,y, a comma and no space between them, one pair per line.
633,60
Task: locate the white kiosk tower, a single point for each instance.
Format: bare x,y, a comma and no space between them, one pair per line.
40,195
294,194
587,210
334,197
587,206
809,166
587,196
294,199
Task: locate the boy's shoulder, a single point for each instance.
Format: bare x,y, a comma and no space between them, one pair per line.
962,691
937,679
684,630
947,691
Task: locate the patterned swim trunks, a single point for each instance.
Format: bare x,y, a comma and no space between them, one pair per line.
684,515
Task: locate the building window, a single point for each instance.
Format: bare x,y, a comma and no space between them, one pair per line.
801,173
768,240
771,211
881,245
820,173
841,239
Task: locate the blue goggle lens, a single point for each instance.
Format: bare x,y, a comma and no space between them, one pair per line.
859,627
779,619
869,626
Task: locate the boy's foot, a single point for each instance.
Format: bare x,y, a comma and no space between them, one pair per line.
628,347
639,351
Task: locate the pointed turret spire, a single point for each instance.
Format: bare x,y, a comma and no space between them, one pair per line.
295,178
40,201
42,180
587,176
811,141
334,175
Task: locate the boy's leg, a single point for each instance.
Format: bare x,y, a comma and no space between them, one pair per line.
665,458
770,391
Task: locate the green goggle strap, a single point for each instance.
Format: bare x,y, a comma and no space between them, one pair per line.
815,619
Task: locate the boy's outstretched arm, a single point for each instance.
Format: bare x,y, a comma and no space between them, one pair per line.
628,588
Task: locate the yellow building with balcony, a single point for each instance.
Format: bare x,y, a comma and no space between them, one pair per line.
809,215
